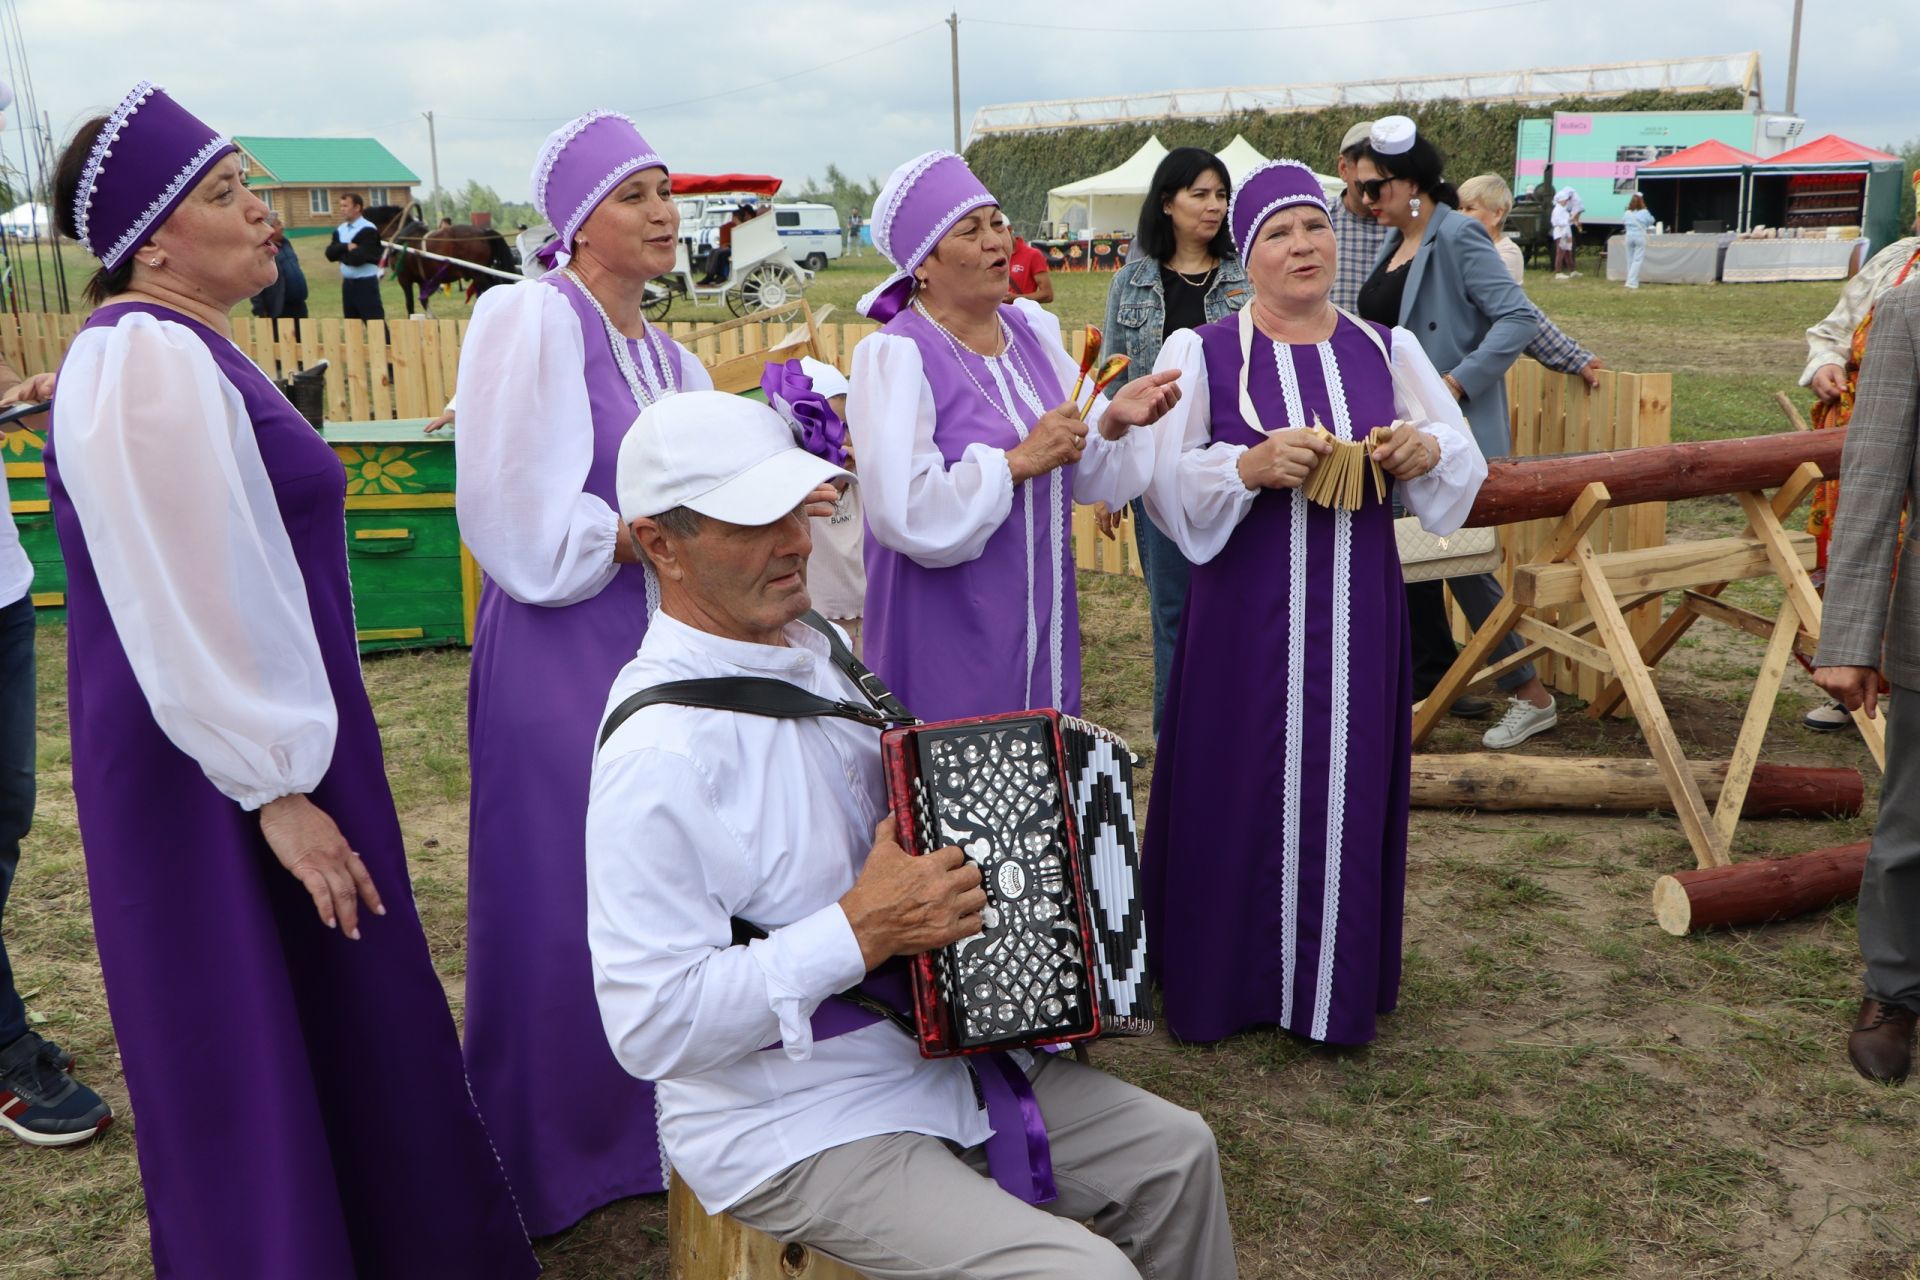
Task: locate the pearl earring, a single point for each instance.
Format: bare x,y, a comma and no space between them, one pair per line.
153,262
1415,205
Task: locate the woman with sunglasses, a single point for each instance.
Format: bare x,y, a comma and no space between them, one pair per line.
1439,277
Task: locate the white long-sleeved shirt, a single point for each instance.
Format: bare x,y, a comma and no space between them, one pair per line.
158,456
1198,498
943,515
525,444
695,817
1831,340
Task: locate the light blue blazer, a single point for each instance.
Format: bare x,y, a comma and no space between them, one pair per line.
1468,315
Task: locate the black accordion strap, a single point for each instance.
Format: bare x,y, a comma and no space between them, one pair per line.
763,696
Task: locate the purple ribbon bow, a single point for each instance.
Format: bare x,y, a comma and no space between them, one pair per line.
815,425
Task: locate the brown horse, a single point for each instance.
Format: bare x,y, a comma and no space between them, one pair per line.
481,246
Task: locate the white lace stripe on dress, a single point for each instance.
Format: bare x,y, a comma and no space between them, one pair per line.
1292,780
159,458
1339,697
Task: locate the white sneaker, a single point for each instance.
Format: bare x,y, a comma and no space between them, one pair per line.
1522,721
1827,719
1559,275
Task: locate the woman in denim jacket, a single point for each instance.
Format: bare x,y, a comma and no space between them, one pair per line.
1187,275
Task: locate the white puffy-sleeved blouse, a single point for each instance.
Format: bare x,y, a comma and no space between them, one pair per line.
525,444
941,515
1198,498
159,459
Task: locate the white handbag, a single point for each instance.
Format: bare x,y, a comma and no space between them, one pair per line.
1427,557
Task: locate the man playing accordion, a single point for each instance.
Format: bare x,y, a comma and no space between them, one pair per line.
742,871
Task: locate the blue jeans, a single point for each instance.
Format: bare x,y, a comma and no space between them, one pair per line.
16,781
1166,571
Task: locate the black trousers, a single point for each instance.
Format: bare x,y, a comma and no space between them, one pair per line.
16,780
360,299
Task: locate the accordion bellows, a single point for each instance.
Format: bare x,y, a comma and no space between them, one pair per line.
1043,805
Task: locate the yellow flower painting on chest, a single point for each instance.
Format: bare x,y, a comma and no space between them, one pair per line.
380,468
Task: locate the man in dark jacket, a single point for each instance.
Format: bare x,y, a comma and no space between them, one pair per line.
356,247
286,297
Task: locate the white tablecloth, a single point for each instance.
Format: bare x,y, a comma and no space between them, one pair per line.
1754,261
1675,259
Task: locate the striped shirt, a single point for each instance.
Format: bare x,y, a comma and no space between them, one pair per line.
1359,241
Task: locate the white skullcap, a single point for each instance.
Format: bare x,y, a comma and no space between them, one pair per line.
1392,135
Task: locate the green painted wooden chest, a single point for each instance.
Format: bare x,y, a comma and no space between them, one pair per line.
414,583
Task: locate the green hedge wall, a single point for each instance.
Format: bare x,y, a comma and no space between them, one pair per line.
1475,137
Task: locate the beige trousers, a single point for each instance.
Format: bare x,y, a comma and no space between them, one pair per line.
905,1206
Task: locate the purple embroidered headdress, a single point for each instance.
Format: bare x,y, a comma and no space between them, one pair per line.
142,165
1271,187
922,200
580,165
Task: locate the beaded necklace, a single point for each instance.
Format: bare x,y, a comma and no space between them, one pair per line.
1023,387
647,387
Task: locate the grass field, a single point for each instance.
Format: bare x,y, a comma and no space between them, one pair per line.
1565,1090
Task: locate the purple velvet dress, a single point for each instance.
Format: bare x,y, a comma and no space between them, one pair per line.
298,1097
1276,843
954,641
574,1130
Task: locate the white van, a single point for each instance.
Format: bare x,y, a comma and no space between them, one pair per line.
810,233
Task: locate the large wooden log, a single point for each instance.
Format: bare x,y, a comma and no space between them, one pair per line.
1535,488
1757,892
1497,782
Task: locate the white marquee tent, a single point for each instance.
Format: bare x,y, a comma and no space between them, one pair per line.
1108,201
28,220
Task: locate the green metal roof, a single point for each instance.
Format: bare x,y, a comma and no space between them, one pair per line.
325,162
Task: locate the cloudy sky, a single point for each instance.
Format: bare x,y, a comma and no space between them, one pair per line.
789,86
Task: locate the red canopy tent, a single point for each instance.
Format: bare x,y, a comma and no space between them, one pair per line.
1705,183
1831,149
1711,154
1830,182
713,184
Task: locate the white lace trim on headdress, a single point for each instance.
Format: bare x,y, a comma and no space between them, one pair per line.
646,161
558,141
102,148
137,233
1316,198
886,206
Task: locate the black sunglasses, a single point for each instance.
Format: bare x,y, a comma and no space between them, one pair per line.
1372,187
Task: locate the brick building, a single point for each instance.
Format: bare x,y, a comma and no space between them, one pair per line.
300,177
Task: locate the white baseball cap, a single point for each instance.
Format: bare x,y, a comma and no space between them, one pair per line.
722,455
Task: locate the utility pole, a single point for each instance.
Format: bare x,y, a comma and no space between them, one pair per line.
433,150
953,22
1793,56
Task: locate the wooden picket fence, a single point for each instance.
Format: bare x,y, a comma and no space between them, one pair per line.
1555,413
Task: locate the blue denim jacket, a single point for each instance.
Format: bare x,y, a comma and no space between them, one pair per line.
1137,311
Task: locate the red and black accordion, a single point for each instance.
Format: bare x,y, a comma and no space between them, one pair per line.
1043,805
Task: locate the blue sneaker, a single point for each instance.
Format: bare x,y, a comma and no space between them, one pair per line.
40,1103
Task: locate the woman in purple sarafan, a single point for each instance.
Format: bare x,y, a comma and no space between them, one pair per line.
1274,862
971,458
293,1067
552,373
